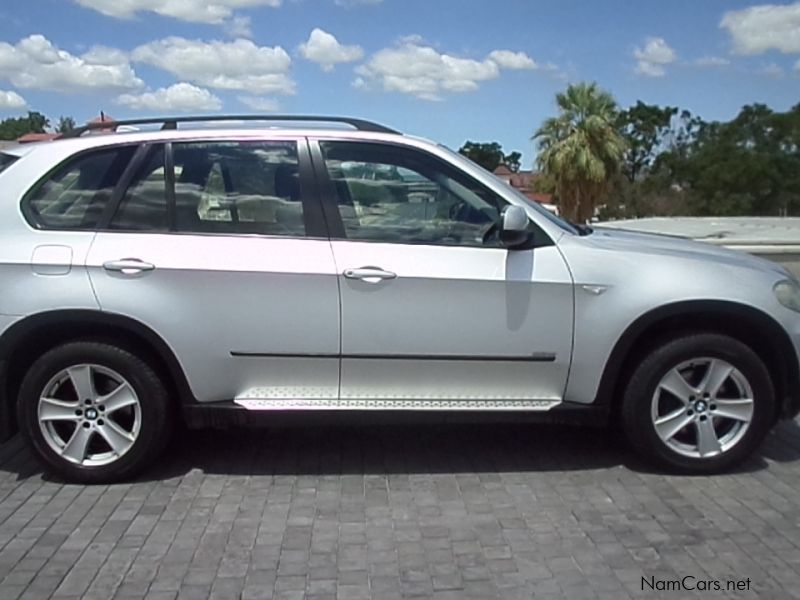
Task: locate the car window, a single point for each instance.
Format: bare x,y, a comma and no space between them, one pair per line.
238,187
75,195
393,194
144,205
6,160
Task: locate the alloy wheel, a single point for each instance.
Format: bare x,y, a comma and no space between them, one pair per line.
702,407
89,414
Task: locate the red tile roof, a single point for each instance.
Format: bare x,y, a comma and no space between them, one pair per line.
36,137
523,181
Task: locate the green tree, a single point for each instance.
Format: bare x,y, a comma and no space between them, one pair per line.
65,124
490,155
645,128
581,149
747,166
15,127
487,155
513,161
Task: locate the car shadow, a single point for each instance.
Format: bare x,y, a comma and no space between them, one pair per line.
406,449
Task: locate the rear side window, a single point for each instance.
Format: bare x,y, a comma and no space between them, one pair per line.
144,206
76,194
217,187
238,187
6,160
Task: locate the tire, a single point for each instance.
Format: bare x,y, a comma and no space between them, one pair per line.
105,437
656,403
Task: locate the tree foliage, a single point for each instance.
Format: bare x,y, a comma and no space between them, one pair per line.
65,124
581,149
747,166
667,161
490,155
16,127
644,128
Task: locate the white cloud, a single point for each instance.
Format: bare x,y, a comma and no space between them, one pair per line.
177,97
35,63
512,60
711,62
324,49
215,12
766,27
651,60
237,65
260,104
772,70
11,100
422,71
239,27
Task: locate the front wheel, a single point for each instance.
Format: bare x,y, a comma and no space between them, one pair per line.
94,412
699,404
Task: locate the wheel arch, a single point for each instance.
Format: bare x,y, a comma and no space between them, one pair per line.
31,336
745,323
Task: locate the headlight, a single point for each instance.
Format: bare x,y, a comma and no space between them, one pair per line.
788,293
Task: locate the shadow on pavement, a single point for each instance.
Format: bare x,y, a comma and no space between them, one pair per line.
393,449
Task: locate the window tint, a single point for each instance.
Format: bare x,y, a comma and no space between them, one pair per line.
75,196
387,193
144,206
238,187
6,160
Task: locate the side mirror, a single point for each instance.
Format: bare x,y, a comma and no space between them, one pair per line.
514,231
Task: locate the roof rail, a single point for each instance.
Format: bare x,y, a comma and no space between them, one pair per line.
172,122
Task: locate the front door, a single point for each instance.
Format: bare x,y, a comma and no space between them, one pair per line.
213,247
435,312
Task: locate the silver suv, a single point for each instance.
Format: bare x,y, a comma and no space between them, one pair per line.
237,276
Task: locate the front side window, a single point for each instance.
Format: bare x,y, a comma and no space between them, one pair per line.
76,194
238,187
393,194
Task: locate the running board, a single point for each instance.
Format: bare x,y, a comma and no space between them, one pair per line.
394,404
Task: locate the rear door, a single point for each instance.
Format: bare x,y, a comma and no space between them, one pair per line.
219,247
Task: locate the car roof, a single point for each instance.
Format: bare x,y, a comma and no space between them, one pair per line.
208,133
171,123
102,132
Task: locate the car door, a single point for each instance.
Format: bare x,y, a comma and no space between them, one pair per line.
435,312
218,247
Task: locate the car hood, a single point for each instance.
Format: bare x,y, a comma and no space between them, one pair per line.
655,244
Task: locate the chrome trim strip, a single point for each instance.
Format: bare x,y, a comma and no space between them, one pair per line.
535,357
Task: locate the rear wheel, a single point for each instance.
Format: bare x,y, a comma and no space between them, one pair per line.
94,412
700,403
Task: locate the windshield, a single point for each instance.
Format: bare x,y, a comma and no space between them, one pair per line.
6,160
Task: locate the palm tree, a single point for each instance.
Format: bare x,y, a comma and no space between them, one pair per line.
581,149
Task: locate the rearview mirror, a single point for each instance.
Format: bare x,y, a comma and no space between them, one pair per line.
514,231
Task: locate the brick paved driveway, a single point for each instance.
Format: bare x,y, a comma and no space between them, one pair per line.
395,512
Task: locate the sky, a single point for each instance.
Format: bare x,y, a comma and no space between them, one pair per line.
448,70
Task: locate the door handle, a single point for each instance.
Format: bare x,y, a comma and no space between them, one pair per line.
128,266
369,274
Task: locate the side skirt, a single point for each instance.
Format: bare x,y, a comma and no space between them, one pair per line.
231,414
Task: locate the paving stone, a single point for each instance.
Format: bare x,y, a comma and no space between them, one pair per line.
443,512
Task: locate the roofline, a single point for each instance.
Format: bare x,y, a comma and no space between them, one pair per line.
171,123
